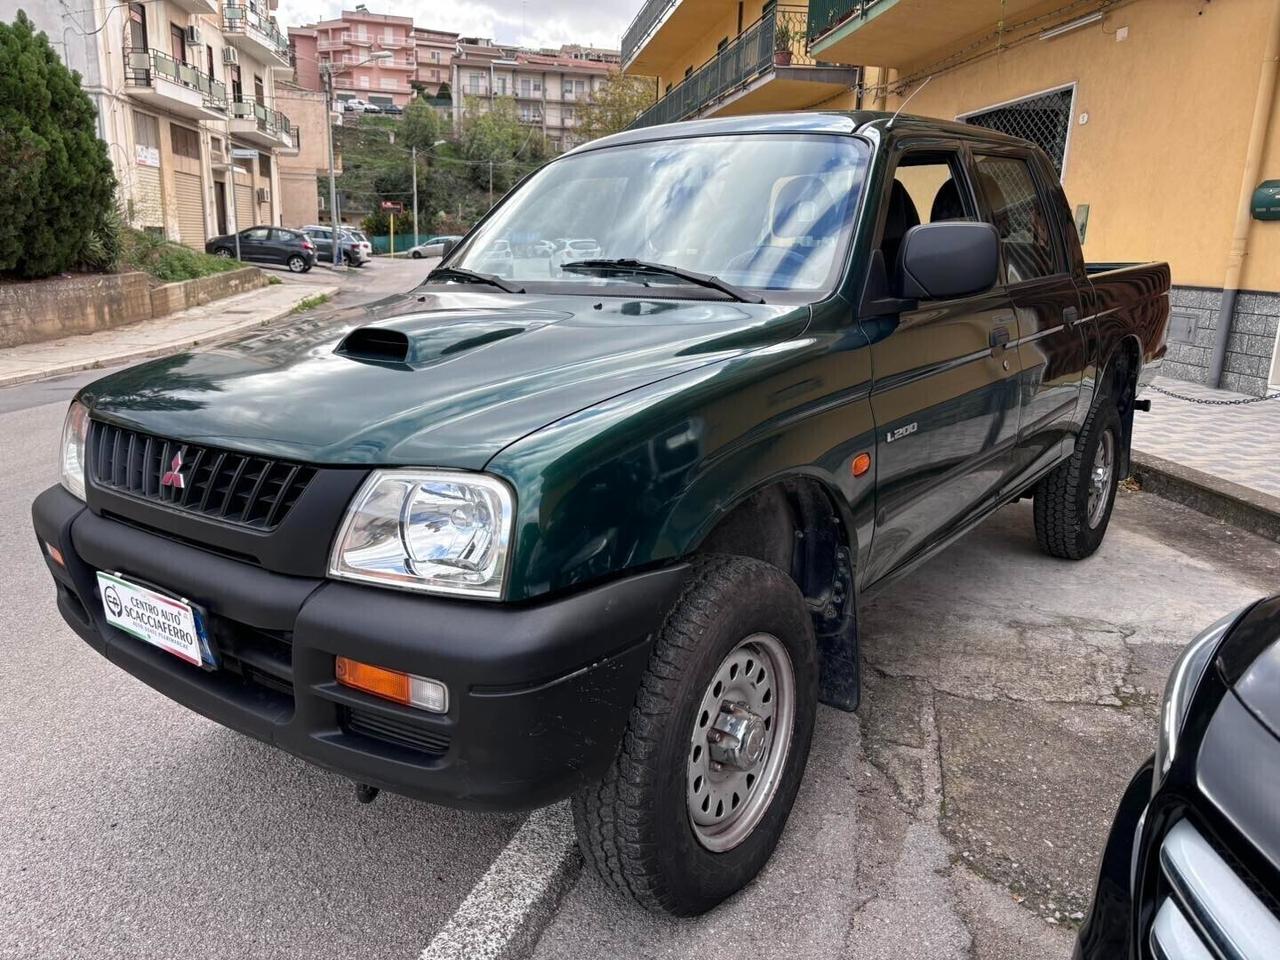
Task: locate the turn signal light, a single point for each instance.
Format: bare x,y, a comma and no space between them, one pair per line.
861,464
412,691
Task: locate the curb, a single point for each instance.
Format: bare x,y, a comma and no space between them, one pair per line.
1240,506
160,350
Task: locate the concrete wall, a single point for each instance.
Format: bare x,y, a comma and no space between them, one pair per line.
66,306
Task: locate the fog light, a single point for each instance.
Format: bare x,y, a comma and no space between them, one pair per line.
421,692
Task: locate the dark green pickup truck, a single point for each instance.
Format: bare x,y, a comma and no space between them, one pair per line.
598,527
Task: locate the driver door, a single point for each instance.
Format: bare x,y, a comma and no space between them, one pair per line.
945,392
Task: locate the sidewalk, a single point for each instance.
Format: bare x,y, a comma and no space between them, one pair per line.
1223,460
199,326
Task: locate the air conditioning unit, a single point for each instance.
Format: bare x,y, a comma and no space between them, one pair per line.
193,36
230,56
264,195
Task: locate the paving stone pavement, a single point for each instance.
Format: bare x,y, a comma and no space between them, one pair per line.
1238,443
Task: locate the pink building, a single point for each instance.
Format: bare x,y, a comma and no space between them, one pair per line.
347,43
435,57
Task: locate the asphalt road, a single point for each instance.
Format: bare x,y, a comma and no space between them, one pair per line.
959,814
130,827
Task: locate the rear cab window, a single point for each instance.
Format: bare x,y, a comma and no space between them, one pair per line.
1021,217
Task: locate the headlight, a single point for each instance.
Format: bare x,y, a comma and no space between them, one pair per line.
1188,670
431,530
75,433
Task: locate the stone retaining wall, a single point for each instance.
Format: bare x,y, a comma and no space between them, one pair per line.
76,304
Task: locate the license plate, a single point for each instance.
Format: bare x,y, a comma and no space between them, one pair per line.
173,625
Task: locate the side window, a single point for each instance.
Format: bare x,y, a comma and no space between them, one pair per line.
1019,214
927,188
283,236
256,233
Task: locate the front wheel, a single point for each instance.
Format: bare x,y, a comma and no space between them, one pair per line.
297,264
222,252
715,746
1073,503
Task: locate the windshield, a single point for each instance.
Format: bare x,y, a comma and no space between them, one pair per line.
770,212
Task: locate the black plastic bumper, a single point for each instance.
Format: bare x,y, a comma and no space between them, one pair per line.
1106,931
539,694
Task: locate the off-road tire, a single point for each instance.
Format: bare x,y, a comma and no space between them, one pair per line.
1061,499
634,826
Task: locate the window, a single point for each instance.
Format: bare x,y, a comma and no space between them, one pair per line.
264,166
926,189
258,90
177,43
255,233
137,26
500,86
208,50
526,86
186,143
1044,119
237,89
215,147
1019,214
579,87
284,236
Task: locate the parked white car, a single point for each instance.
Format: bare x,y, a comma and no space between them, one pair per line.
569,249
432,246
355,105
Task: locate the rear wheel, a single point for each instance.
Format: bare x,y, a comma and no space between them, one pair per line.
1073,503
715,746
417,254
297,264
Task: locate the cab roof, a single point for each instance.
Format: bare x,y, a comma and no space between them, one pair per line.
828,122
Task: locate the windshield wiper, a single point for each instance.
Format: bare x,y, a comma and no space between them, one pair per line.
472,276
644,266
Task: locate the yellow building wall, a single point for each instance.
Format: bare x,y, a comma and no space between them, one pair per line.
1164,99
702,47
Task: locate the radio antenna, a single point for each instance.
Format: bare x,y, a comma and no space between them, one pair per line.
908,100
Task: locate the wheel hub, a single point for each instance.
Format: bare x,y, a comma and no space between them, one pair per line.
738,738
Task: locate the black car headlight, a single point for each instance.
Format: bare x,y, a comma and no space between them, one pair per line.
1188,670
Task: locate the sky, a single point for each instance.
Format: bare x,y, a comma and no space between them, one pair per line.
530,23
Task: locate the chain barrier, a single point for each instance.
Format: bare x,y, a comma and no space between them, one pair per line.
1212,403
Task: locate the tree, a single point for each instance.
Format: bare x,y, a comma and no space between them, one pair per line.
617,102
421,125
494,141
57,187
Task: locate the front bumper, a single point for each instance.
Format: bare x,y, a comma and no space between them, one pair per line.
539,693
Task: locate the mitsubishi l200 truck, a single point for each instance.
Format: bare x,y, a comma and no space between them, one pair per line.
598,528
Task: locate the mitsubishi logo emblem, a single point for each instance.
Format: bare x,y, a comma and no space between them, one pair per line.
173,477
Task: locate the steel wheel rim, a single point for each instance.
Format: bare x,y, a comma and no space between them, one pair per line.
1104,465
726,803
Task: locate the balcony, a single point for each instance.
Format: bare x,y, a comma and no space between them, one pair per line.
255,36
358,39
204,7
898,33
258,124
337,44
396,43
176,88
764,69
663,30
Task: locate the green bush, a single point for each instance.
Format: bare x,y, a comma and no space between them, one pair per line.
169,262
56,182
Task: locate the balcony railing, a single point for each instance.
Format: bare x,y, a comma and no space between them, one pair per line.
747,56
826,15
331,44
143,67
237,18
271,122
644,22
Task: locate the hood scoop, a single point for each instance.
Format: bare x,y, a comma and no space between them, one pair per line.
419,339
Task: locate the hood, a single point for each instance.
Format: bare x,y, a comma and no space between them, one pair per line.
466,374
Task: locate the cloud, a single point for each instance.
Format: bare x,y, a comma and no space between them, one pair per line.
531,24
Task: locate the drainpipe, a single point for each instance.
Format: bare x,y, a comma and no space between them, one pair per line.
1262,110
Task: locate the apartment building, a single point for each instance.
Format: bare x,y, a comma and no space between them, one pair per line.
301,203
722,57
435,55
1161,116
345,46
186,96
549,86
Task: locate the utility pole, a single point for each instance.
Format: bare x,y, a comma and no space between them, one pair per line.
333,183
491,183
413,153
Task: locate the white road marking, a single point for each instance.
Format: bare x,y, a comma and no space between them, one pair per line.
506,911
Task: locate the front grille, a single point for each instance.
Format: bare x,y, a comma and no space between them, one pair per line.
404,733
1207,907
233,487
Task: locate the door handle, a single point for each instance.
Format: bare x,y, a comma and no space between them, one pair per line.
999,338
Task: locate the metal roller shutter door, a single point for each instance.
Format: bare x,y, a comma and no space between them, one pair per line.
244,207
190,196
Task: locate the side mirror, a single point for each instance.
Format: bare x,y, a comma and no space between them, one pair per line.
446,247
954,258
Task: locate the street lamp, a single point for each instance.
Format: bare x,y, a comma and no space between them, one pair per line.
326,70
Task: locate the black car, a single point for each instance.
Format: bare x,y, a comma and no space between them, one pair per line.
290,248
1191,870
